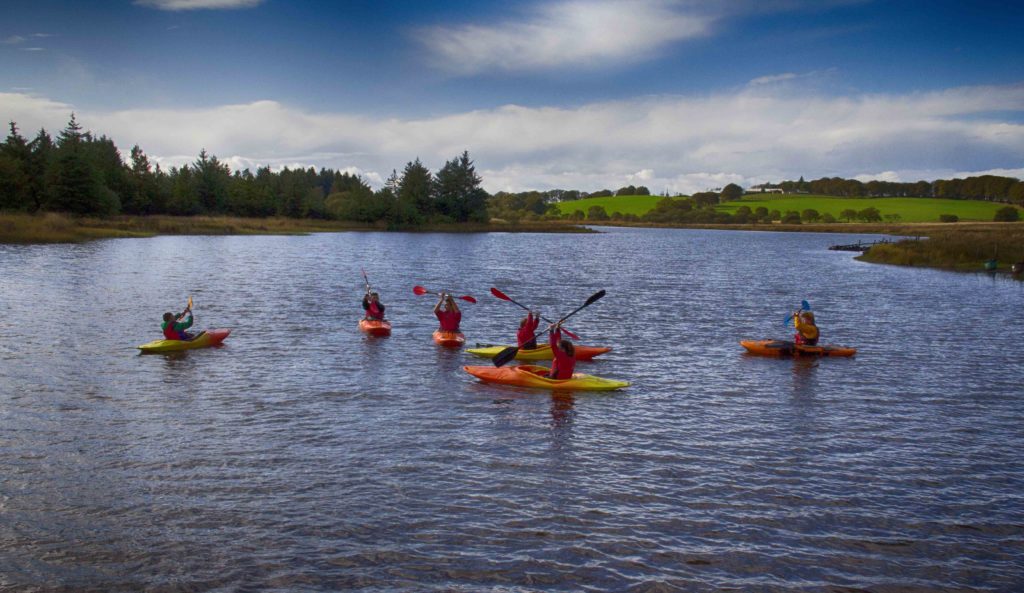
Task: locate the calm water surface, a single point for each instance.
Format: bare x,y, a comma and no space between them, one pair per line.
303,456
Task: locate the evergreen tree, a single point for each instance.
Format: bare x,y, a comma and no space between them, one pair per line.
15,157
458,191
415,202
75,185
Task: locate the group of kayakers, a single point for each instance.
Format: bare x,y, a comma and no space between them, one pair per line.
449,318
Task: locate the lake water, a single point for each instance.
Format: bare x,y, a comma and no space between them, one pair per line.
304,456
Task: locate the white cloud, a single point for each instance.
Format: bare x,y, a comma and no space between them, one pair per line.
174,5
14,40
570,32
682,144
773,78
883,176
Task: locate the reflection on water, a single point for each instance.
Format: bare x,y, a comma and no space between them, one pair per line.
305,455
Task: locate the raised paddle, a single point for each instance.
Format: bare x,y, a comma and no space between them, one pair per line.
422,291
804,306
188,308
509,353
366,280
505,297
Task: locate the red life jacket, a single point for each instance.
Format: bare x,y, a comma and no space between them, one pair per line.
562,365
449,320
373,311
525,334
170,333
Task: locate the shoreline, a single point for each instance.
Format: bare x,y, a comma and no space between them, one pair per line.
29,229
960,246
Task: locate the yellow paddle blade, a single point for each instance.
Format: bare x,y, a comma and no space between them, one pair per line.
189,302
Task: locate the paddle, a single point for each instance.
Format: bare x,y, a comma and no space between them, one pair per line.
509,353
366,280
804,306
505,297
422,291
188,308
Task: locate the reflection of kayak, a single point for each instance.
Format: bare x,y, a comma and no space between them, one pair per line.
212,337
526,376
375,327
787,348
540,353
449,339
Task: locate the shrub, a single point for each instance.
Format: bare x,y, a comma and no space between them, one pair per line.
948,218
791,217
810,215
1007,214
774,215
870,214
828,218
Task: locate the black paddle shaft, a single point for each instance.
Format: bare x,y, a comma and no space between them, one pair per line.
509,353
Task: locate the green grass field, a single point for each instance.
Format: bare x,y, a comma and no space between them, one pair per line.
638,205
909,209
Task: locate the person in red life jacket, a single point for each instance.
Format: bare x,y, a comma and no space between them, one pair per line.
373,307
525,337
174,328
449,316
564,363
806,331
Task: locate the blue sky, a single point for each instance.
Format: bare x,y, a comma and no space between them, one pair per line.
679,95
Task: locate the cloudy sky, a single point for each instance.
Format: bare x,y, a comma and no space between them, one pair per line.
678,95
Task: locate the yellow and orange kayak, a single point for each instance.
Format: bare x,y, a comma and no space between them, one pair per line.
540,353
787,348
211,337
449,339
528,375
375,327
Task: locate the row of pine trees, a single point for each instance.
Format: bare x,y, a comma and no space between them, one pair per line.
82,174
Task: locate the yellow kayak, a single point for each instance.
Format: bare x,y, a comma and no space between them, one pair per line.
526,375
212,337
542,352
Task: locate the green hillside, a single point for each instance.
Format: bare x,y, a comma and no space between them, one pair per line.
638,205
909,209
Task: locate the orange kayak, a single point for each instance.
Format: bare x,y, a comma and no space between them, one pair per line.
542,352
375,327
528,375
449,339
787,348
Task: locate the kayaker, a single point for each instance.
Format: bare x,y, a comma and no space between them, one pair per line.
526,336
174,328
449,316
806,331
373,307
564,362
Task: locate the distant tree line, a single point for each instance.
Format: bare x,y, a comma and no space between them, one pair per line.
992,188
83,174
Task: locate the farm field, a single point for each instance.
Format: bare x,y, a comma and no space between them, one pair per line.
909,209
638,205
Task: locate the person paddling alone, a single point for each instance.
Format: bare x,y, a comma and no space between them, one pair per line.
174,328
525,337
373,307
449,315
806,331
564,362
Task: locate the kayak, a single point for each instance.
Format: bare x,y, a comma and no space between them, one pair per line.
787,348
539,353
375,327
449,339
526,376
212,337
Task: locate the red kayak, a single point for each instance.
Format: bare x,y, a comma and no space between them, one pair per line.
449,339
375,327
